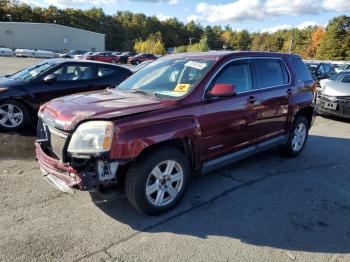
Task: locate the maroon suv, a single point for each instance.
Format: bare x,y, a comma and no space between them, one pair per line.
183,113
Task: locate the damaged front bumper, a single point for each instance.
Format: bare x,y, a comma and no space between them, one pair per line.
66,178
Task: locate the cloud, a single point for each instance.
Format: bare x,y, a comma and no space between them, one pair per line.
33,3
194,18
98,3
276,28
239,10
162,17
307,24
78,3
235,11
337,5
301,26
291,7
174,2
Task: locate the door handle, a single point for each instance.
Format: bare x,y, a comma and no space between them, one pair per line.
252,99
289,91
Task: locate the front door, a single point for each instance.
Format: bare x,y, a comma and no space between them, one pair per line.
70,79
230,122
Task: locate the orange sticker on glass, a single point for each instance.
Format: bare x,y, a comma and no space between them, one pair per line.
181,88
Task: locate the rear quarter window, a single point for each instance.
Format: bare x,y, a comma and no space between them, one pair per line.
301,70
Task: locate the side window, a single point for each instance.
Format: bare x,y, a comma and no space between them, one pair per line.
74,73
59,73
271,72
238,75
301,70
103,71
321,69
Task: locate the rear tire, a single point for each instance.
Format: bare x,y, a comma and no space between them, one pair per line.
297,138
157,182
13,115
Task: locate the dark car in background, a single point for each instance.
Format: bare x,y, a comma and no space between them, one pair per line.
22,93
108,57
321,70
184,113
123,57
72,53
139,58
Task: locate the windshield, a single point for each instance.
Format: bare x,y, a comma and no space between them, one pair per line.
335,77
344,67
169,78
32,72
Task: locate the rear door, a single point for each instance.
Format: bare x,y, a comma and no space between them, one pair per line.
110,76
275,89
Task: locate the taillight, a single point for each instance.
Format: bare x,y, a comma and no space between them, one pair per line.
314,88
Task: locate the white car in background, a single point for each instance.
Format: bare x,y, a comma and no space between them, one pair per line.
34,53
4,51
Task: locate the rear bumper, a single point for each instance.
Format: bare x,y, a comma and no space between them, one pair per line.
60,175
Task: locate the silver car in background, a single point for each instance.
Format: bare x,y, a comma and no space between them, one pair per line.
334,96
343,68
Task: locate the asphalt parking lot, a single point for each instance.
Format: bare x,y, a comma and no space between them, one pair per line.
265,208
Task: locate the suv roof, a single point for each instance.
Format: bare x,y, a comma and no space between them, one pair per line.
220,54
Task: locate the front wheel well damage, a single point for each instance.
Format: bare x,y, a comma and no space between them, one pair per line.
184,145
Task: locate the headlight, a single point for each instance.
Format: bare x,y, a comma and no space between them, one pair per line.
92,137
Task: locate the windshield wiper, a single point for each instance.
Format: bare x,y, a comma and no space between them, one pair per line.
142,92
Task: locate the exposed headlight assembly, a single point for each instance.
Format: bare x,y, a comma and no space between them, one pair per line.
93,137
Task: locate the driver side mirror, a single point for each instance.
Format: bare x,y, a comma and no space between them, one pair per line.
222,90
50,78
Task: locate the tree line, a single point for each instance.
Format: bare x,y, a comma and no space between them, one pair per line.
125,30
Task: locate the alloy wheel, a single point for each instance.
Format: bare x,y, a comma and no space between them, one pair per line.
164,183
11,116
299,137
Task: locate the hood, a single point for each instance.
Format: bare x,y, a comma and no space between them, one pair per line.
8,82
334,88
66,112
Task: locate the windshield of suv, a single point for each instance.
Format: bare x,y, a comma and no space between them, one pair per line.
32,72
170,78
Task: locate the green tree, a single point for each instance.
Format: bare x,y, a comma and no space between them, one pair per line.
241,41
335,44
202,46
153,44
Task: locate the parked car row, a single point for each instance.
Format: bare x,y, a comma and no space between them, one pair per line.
26,53
110,56
107,56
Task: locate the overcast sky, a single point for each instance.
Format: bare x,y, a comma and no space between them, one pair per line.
253,15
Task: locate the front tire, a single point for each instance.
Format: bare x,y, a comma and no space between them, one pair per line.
157,182
13,115
297,138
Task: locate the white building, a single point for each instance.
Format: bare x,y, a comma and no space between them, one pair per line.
52,37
